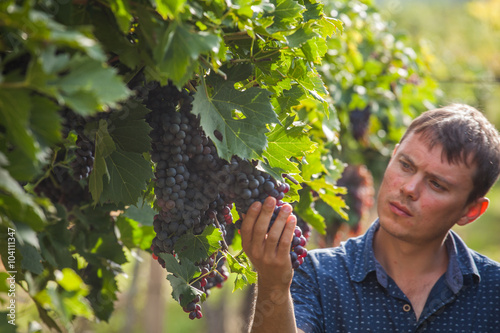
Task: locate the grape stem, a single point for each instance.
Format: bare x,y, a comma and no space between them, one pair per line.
224,244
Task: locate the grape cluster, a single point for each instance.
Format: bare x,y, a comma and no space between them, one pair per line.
186,161
243,184
218,276
213,274
305,227
60,185
195,188
61,188
297,249
359,120
358,181
83,160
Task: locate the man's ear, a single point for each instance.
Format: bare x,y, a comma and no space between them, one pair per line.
476,209
395,149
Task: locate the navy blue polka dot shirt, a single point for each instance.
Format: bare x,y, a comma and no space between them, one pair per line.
345,289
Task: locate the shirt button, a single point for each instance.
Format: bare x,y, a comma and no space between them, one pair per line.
406,307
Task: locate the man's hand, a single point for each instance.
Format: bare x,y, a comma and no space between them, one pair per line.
269,251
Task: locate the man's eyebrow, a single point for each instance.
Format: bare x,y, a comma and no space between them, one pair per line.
430,174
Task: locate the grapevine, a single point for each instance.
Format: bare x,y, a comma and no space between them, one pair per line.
195,188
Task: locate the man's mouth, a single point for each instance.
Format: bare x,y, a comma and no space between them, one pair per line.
399,209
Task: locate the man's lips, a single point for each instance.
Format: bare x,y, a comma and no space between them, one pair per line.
399,209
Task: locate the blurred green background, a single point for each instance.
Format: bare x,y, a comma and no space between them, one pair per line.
464,39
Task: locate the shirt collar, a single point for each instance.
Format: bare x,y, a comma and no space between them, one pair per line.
460,262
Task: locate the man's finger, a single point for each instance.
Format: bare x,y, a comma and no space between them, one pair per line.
287,236
248,223
274,234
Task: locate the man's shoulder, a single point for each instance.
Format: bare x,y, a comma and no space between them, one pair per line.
485,264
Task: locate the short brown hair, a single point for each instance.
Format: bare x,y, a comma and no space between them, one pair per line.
464,133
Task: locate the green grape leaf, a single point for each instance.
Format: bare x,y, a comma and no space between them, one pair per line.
113,40
133,235
313,165
314,49
243,136
185,270
291,97
54,242
122,13
305,210
330,26
15,106
144,214
286,13
198,247
45,121
283,144
128,176
169,8
89,85
241,267
178,50
182,291
107,247
43,30
314,11
18,204
104,146
300,36
182,274
331,195
129,129
103,293
21,167
31,258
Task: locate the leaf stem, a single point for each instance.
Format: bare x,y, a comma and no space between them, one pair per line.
236,35
239,253
22,84
217,71
290,178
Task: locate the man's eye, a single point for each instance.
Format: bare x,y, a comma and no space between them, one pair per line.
404,165
436,185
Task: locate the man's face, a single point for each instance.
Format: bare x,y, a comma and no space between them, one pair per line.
422,196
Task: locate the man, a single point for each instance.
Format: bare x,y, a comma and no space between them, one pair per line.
408,272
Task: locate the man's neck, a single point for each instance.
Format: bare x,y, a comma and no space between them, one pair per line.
404,260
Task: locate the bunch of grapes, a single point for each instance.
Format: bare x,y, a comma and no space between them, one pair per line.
359,120
195,188
83,156
186,162
61,184
61,188
213,274
305,227
358,181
